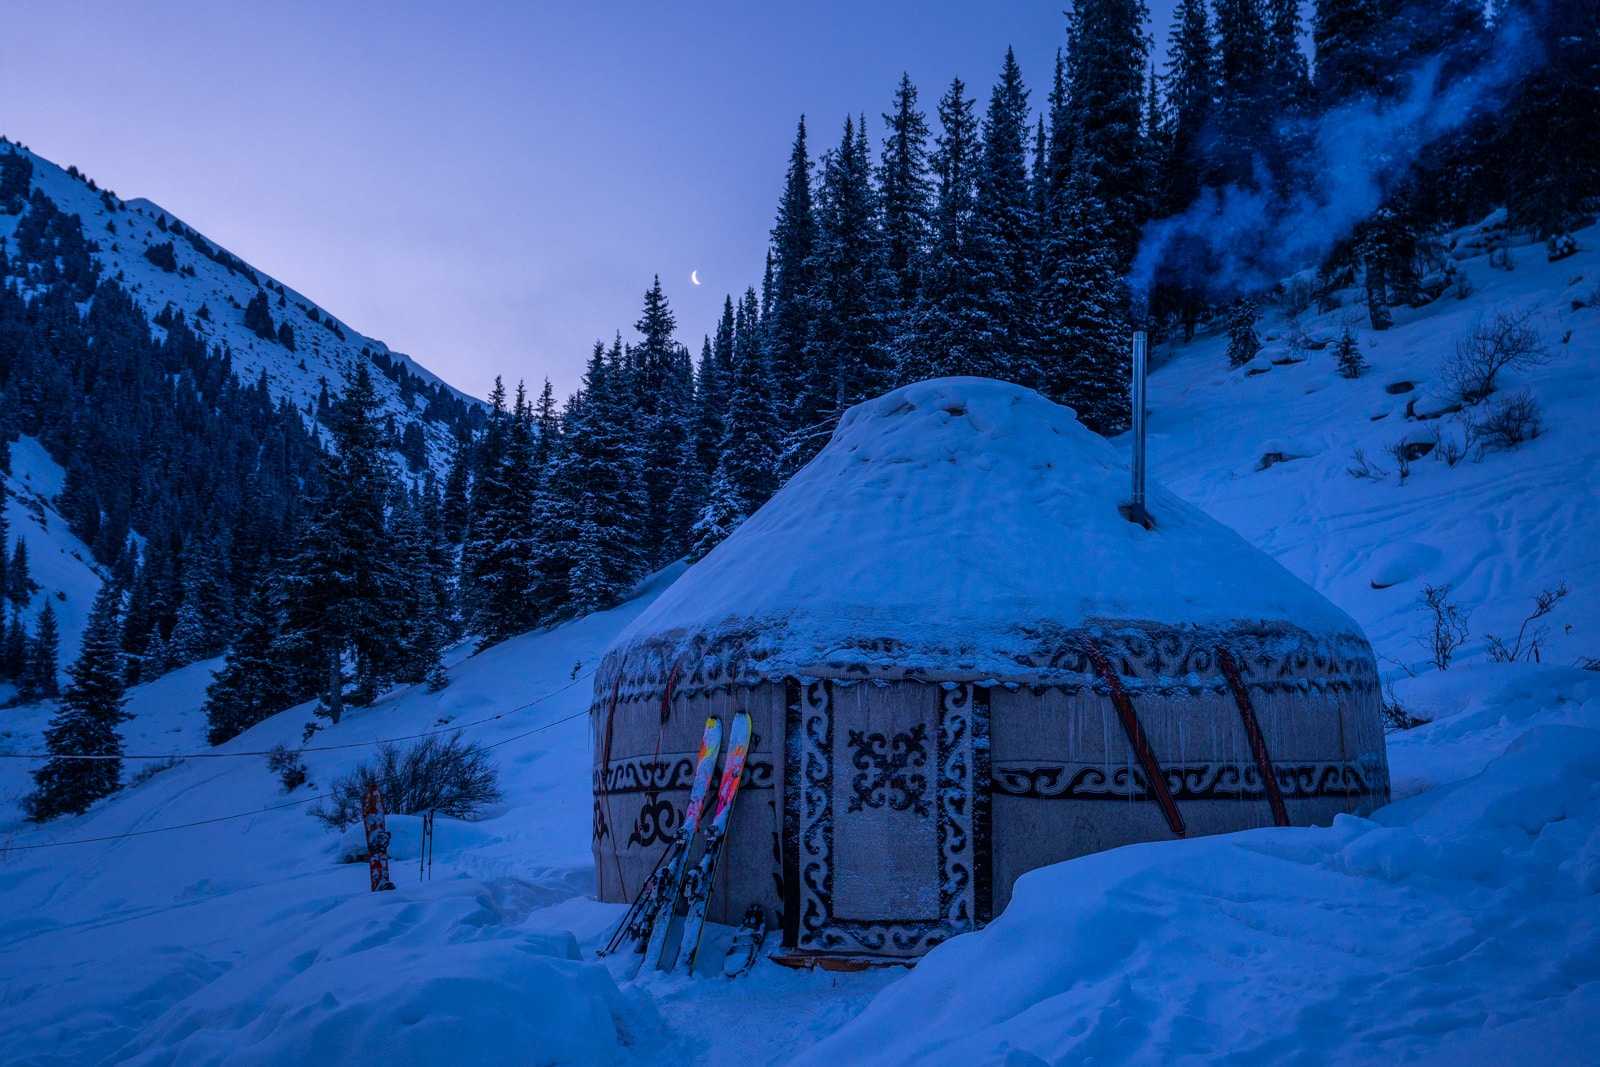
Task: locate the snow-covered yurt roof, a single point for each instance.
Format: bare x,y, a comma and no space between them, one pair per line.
960,528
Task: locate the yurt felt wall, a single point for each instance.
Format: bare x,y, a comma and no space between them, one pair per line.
963,663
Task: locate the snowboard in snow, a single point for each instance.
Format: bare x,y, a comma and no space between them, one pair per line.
372,821
697,888
667,881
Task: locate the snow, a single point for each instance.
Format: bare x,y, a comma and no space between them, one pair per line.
58,562
949,522
1460,924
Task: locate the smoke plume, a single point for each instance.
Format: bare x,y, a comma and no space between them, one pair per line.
1237,240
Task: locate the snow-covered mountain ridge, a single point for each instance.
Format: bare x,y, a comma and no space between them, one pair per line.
165,263
1458,925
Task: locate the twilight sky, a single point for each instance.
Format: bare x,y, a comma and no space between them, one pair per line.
488,187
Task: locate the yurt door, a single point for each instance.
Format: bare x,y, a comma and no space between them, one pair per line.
886,829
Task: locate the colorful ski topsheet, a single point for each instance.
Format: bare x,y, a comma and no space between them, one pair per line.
652,923
635,926
698,888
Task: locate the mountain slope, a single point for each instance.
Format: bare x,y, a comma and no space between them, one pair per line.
201,274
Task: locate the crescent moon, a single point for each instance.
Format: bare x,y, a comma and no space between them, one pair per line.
694,276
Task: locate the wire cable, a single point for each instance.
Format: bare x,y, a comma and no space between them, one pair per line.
451,728
7,849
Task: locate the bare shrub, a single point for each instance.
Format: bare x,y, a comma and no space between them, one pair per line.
1463,285
1447,625
1511,420
1528,644
1449,447
1504,340
1400,452
1500,258
153,768
450,776
1361,467
1396,716
287,765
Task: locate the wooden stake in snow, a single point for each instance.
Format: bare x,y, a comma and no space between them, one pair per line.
377,838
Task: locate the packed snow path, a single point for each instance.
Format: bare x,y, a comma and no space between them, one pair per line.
1460,925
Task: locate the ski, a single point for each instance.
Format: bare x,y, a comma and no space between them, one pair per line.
666,881
697,889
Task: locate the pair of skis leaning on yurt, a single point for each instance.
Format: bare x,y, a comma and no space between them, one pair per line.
963,662
648,924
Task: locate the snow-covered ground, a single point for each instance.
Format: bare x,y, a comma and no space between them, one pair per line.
1461,924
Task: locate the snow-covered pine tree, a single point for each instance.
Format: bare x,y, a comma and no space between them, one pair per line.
91,711
746,473
457,490
252,684
19,584
788,319
1244,127
1243,341
847,358
499,558
14,654
942,333
1084,303
905,192
1001,250
601,479
40,677
424,562
1549,138
1345,34
1105,66
664,386
342,589
1348,352
258,317
711,398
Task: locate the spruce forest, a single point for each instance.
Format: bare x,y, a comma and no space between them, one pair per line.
1020,233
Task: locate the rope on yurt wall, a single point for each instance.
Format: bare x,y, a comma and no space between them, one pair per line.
1252,730
1136,736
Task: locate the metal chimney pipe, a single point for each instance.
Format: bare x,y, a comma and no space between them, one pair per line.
1137,512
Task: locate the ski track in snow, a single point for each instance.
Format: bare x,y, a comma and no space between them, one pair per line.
1460,925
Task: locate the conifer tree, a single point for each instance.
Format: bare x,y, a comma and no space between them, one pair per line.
746,473
1083,299
258,317
788,320
1243,341
943,331
40,679
1001,250
342,584
1106,65
499,557
601,478
19,584
1191,91
847,357
1244,118
252,684
14,654
1346,37
664,389
905,191
91,711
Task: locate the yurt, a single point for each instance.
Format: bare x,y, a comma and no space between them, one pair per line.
963,662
